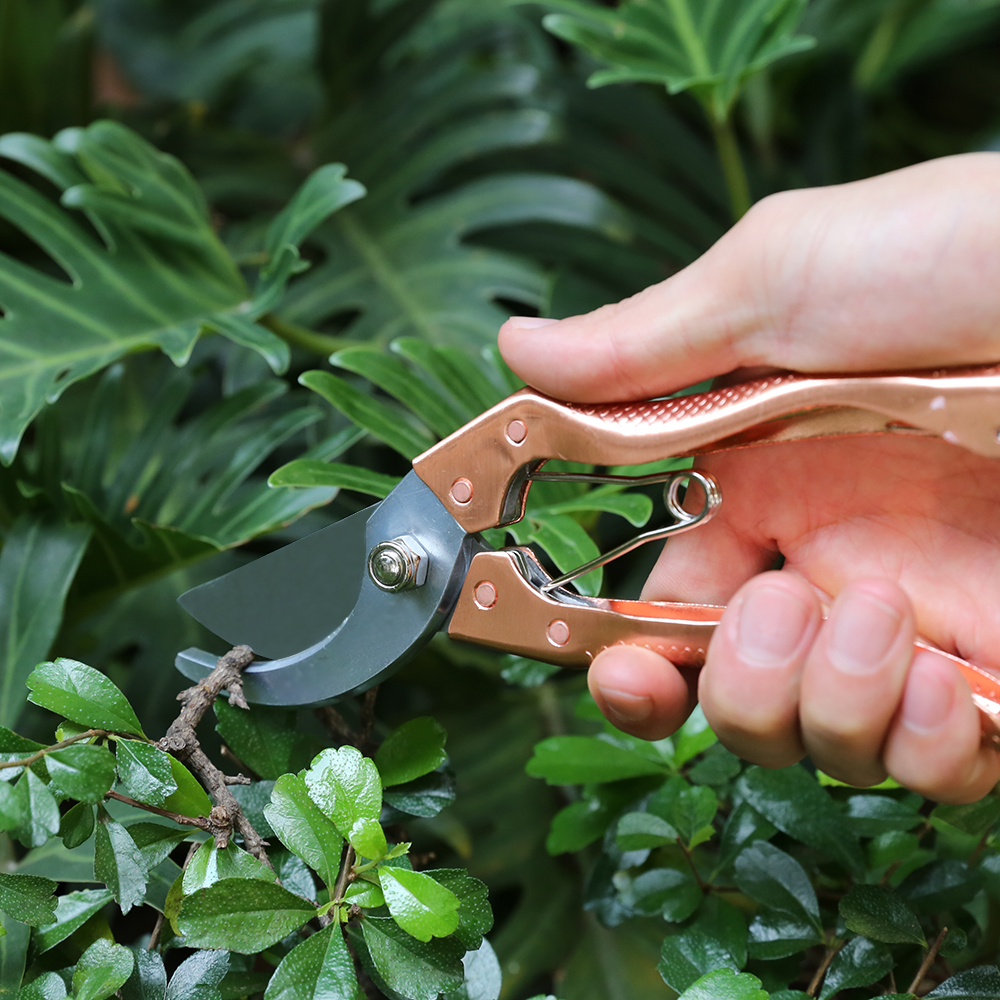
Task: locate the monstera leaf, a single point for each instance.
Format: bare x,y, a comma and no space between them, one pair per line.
148,271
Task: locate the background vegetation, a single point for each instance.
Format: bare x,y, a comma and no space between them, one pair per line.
245,239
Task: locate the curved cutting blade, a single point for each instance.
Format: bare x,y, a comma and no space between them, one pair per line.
381,631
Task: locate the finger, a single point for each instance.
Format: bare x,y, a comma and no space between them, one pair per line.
749,686
935,744
853,680
640,692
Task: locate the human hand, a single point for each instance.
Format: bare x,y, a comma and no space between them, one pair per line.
895,272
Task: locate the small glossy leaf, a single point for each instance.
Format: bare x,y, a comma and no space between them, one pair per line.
319,967
83,695
11,742
101,970
859,963
723,922
241,915
669,892
28,897
48,986
155,841
689,810
35,808
573,760
980,983
417,969
420,905
773,935
346,786
118,863
567,543
72,911
367,838
974,819
310,472
724,984
878,913
210,865
364,894
83,771
483,977
639,830
293,873
416,748
693,738
424,797
944,884
685,958
190,799
776,879
475,916
145,771
579,824
303,828
743,826
527,673
265,739
148,980
870,815
198,977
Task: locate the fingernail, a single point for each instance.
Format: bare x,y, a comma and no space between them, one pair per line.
863,630
626,707
771,626
528,322
929,695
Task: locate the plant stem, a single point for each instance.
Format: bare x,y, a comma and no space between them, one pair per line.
39,754
732,167
200,821
345,873
694,868
817,979
928,960
300,336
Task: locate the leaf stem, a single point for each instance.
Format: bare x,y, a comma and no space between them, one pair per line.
928,960
199,821
39,754
301,336
345,874
732,167
817,979
702,884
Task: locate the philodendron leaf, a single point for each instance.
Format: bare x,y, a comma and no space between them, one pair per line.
775,879
83,771
118,863
72,911
82,694
241,915
878,913
475,916
416,748
320,966
101,970
28,898
303,828
308,472
417,969
346,786
980,983
572,760
198,977
145,771
724,984
210,865
685,958
420,905
859,963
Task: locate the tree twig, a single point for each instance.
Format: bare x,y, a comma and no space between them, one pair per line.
334,723
694,868
39,754
345,874
182,742
367,720
817,979
199,821
928,960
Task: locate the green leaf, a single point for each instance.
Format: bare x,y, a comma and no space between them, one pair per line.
859,963
364,894
775,935
118,863
567,543
303,828
685,958
11,742
101,970
878,913
145,771
77,824
241,915
35,808
574,760
579,824
776,879
944,884
346,786
689,810
724,984
72,911
974,819
870,815
667,892
723,922
156,274
155,841
424,797
419,970
683,45
638,831
483,978
527,673
211,864
83,695
37,565
82,771
980,983
307,472
367,838
420,905
475,916
198,976
416,748
148,980
693,738
265,739
798,806
48,986
28,897
190,799
319,967
744,826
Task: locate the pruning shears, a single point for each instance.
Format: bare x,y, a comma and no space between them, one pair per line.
336,612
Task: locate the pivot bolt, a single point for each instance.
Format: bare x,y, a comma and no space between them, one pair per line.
399,564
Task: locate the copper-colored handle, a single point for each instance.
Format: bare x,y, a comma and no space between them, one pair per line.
479,472
501,608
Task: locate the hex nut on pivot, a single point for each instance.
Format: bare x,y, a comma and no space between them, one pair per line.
398,564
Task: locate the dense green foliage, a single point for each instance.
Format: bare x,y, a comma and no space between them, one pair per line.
253,256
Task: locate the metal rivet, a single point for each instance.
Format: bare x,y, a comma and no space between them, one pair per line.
399,564
485,595
461,490
557,633
516,431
